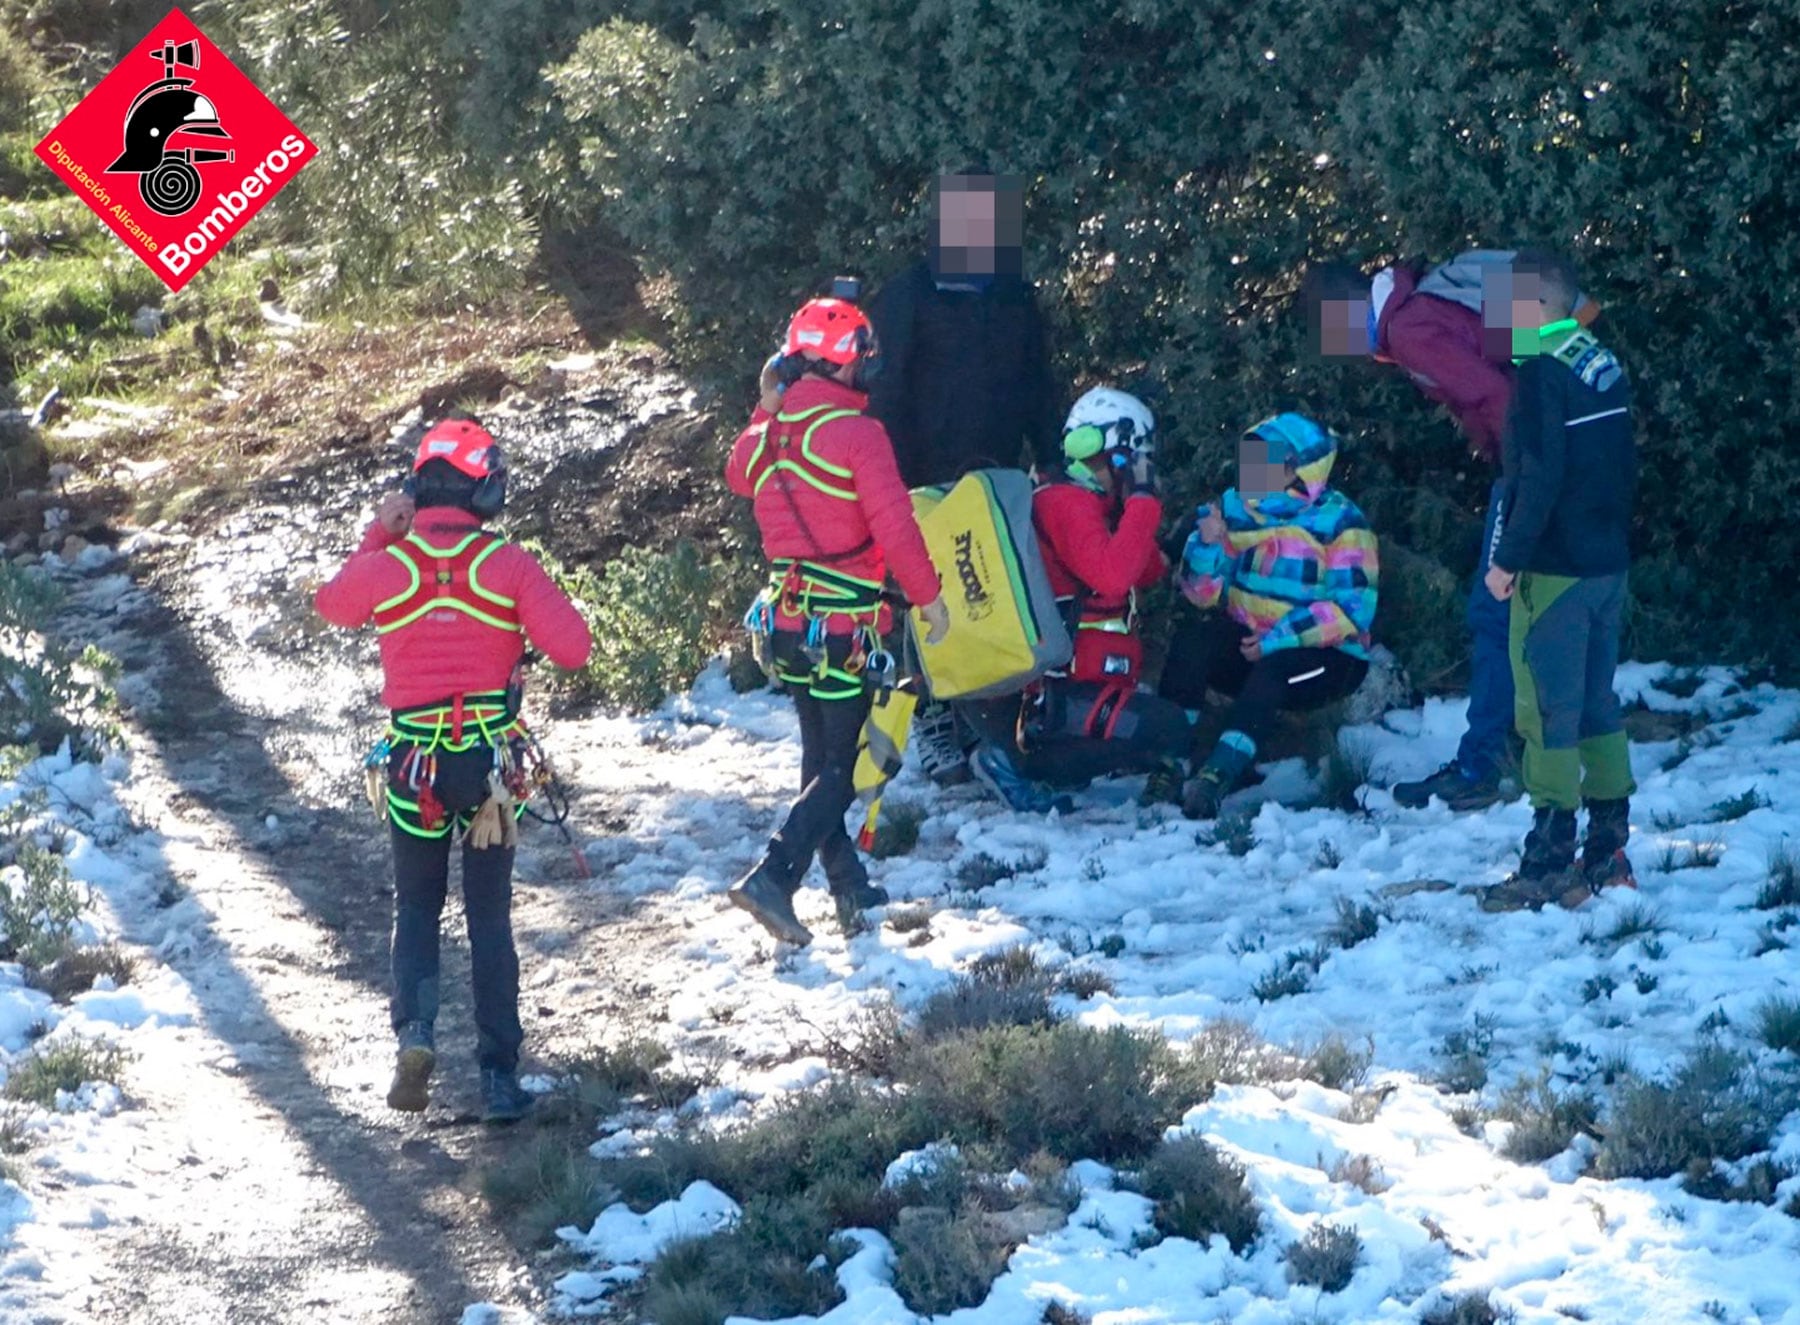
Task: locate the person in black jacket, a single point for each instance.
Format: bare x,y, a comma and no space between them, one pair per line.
965,379
1561,554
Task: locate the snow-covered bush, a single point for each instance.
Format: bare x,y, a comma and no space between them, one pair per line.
1199,1193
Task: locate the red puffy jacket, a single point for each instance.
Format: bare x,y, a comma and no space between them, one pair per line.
1095,551
444,653
1438,343
827,492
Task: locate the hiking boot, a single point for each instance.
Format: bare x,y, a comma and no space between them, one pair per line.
1546,867
1453,786
1603,863
503,1099
1162,786
937,736
1225,767
770,903
410,1091
995,770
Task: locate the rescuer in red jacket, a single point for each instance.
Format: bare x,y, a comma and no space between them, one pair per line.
835,521
453,607
1096,522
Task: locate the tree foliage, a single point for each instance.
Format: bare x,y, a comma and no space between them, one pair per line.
1183,164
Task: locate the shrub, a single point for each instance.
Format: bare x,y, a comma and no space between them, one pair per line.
1362,1172
1033,1088
1736,807
1759,1183
1335,1065
656,619
982,999
1544,1123
1198,1193
1343,775
943,1261
1325,1258
1471,1308
1465,1053
1291,975
48,691
1356,922
984,869
768,1266
64,1064
1236,832
1714,1107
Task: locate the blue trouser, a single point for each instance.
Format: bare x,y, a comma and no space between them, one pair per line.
1483,747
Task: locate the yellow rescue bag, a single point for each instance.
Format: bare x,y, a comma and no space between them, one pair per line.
1005,627
880,749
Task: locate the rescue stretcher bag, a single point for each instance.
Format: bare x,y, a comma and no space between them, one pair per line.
1006,629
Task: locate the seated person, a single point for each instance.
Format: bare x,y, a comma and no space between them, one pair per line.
1293,563
1096,522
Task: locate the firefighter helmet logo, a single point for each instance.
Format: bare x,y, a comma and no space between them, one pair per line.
176,163
169,109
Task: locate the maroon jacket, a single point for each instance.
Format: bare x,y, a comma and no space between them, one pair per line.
1438,343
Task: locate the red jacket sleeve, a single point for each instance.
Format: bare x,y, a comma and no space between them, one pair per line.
748,454
888,509
1439,345
1110,562
348,598
552,623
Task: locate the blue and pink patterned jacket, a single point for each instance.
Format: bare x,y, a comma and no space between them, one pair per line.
1299,570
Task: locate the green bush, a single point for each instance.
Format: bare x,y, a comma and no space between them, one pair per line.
48,691
1471,1308
40,907
746,148
1198,1192
1544,1122
538,1188
656,619
1325,1258
943,1260
762,1267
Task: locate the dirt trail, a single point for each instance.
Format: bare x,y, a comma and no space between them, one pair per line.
269,1181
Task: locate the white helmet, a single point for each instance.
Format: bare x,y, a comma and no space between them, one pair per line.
1107,420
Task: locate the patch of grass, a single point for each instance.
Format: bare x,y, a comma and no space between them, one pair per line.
984,869
539,1187
1235,831
1736,807
1637,919
897,833
1704,855
1667,821
1325,1258
77,971
1085,982
1778,1024
1716,1106
1758,1185
1781,886
1343,775
1327,857
1199,1193
1356,923
1544,1122
636,1070
1471,1308
1597,987
64,1064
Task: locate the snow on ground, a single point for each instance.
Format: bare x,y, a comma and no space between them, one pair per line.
1199,927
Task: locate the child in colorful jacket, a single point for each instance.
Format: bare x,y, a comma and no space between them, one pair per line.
1294,564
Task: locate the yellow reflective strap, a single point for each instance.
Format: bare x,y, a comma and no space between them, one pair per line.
837,471
418,540
455,605
412,570
794,467
474,573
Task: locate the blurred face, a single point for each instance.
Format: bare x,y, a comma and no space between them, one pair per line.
1343,328
979,224
1513,306
1258,476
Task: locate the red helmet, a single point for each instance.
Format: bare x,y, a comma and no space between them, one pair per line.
464,443
834,329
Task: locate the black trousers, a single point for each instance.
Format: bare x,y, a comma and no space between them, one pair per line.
1070,732
1205,654
421,884
831,720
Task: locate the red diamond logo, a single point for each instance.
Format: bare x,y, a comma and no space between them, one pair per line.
176,150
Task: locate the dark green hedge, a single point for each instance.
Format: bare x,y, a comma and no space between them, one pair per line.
1186,160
